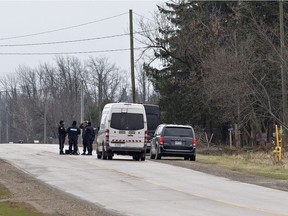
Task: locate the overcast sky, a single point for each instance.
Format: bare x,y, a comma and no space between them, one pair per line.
21,18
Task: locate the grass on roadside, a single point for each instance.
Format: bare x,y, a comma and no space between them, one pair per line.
256,163
14,208
3,191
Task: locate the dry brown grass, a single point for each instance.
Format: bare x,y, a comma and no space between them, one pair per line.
260,163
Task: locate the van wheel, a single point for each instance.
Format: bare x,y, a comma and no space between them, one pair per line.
103,155
143,157
99,155
158,155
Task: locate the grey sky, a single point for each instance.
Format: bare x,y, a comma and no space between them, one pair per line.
20,18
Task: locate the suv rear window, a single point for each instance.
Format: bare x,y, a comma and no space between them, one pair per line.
177,131
127,121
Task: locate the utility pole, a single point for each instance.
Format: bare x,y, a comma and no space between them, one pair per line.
82,102
237,125
132,56
7,118
81,106
283,72
45,117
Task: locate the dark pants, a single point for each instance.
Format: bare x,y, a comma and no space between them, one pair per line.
73,145
84,142
90,146
61,142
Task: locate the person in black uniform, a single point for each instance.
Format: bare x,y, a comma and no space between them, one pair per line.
61,136
73,133
89,136
82,126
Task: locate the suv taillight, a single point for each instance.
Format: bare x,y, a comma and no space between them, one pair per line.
194,141
107,136
161,140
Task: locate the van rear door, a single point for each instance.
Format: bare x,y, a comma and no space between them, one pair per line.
127,128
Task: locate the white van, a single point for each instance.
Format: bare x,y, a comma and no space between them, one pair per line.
123,131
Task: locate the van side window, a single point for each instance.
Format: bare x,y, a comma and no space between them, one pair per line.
103,120
127,121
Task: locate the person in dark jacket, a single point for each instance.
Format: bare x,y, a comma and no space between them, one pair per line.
73,133
61,136
82,126
89,137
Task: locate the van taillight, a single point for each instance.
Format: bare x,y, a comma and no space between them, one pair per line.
146,136
194,141
107,136
161,140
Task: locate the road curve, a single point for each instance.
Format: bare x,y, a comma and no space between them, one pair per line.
141,188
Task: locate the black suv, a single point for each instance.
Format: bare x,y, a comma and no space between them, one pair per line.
173,140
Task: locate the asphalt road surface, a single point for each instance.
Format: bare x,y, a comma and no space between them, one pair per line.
144,187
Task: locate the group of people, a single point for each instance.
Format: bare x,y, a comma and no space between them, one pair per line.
88,136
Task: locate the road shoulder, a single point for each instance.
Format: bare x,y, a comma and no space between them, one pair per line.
46,199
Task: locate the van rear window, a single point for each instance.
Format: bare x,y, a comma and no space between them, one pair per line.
127,121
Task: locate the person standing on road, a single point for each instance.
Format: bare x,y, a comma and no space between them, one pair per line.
82,126
73,133
61,136
89,137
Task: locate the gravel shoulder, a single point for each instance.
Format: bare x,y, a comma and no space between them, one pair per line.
44,198
26,189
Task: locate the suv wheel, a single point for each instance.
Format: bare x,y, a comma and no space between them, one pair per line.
136,157
193,157
158,155
152,155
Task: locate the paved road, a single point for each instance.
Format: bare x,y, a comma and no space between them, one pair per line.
139,188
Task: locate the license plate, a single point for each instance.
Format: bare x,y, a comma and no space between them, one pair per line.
117,145
178,142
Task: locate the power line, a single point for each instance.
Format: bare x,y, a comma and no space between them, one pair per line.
71,41
76,52
61,29
60,42
143,17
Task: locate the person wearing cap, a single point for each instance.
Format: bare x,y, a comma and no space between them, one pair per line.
82,126
61,136
89,136
73,132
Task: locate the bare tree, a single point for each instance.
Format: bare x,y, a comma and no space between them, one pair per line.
69,75
144,85
106,77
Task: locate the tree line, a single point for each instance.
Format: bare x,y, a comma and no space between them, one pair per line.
220,66
34,100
